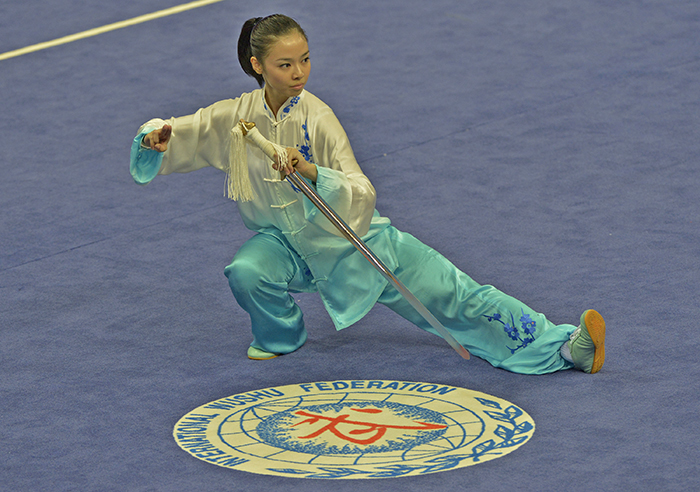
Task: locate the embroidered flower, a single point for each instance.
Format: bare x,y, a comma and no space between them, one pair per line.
511,330
305,149
528,325
293,102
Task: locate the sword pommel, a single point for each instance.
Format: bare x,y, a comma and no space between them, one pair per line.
246,126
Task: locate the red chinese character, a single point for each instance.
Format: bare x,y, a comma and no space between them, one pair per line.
363,427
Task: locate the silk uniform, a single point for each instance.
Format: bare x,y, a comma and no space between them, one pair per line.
296,249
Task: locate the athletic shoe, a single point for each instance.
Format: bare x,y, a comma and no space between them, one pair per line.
259,354
587,343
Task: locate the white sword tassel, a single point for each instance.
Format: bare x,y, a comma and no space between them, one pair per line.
253,134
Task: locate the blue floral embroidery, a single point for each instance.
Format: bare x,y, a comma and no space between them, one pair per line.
527,325
293,102
511,330
305,149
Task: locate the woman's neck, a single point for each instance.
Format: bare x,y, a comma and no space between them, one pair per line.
273,103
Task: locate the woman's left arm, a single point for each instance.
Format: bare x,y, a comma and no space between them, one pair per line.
340,181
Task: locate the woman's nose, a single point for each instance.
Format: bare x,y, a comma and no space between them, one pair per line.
298,72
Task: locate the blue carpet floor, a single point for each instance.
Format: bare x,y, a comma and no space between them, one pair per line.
548,148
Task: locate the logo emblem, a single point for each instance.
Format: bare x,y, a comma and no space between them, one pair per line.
354,429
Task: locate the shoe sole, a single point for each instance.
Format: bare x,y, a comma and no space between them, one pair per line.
595,324
262,358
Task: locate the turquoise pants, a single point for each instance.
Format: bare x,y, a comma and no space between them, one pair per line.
487,322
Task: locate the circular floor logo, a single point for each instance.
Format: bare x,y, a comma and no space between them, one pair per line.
354,429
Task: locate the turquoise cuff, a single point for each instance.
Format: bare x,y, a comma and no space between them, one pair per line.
145,163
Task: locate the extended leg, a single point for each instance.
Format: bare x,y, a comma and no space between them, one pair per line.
489,323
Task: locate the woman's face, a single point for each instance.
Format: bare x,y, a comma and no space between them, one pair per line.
285,69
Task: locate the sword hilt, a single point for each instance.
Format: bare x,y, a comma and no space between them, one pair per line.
251,132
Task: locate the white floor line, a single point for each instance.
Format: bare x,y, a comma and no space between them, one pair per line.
109,27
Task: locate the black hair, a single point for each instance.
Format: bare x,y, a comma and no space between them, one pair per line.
257,37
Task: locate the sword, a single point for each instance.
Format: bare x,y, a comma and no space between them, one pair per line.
253,134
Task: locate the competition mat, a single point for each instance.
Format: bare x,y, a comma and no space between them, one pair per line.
360,429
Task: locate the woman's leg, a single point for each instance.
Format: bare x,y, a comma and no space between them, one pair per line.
489,323
260,276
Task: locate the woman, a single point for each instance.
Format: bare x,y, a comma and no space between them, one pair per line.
298,250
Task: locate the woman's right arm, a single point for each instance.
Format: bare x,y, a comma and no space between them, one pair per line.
184,144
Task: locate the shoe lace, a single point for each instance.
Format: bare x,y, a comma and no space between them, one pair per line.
575,334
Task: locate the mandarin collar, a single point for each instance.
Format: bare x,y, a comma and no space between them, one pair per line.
285,110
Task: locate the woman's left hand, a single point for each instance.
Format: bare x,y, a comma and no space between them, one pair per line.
296,161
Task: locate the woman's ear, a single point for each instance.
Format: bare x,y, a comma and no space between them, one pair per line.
257,66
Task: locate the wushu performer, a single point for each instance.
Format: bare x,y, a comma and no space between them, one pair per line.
296,249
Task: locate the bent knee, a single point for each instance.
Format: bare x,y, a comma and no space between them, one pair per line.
248,276
242,275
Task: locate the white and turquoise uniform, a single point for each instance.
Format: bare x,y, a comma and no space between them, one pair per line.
298,250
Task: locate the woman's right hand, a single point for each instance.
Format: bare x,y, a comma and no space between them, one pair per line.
158,139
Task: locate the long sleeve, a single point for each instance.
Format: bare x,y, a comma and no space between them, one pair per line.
201,139
340,181
197,140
